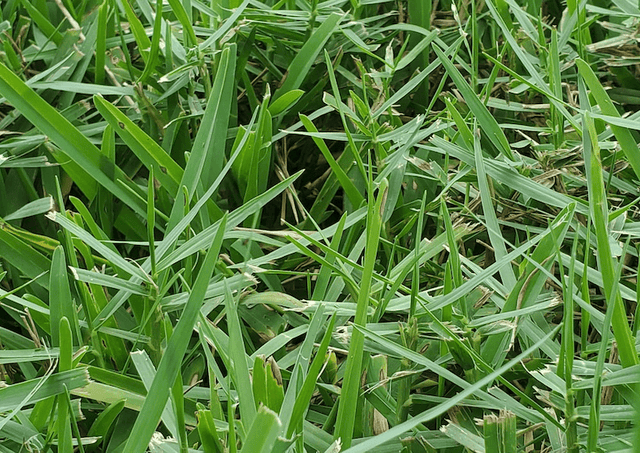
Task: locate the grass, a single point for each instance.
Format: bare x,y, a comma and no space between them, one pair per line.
319,226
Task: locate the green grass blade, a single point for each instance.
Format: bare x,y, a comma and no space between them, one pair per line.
66,351
167,370
136,28
238,360
147,373
94,243
347,184
306,392
148,151
35,207
197,242
101,42
606,263
430,414
625,138
61,304
485,120
183,17
75,145
529,286
42,388
350,394
493,227
207,154
263,433
304,59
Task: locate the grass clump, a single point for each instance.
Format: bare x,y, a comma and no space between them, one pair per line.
319,226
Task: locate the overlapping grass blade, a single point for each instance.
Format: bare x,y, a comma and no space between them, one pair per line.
75,145
167,371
